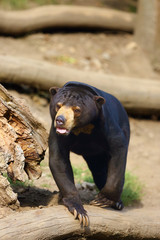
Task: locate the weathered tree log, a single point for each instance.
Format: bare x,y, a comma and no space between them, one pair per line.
25,21
23,141
138,95
57,223
7,196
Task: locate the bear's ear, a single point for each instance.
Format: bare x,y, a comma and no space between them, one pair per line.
99,100
53,90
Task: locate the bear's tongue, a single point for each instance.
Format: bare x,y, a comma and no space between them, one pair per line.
62,130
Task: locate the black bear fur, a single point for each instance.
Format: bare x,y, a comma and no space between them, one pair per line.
104,148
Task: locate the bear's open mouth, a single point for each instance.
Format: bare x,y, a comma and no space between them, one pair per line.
62,131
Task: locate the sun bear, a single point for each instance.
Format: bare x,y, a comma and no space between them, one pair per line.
94,124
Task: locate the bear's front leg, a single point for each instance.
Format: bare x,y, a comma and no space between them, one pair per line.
62,172
75,206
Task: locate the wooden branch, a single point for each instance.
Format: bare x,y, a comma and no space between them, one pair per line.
23,141
136,94
56,222
25,21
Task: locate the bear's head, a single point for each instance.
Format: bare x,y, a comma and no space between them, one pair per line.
74,107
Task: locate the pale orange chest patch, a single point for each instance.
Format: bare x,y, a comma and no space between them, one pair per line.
86,129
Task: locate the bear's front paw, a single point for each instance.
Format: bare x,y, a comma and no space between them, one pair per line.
104,202
77,209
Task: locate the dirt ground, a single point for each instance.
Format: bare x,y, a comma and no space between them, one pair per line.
101,52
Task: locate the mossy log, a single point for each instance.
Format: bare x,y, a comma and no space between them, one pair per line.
23,141
57,223
25,21
138,95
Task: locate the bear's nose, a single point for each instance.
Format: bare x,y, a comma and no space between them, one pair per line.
60,120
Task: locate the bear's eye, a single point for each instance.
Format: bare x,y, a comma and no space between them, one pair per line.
58,106
77,111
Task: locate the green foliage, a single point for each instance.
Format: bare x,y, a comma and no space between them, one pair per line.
133,9
45,185
22,4
43,164
132,191
14,4
66,59
18,183
49,175
44,2
82,174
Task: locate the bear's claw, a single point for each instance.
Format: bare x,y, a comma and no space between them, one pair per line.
75,214
83,219
76,208
103,202
119,205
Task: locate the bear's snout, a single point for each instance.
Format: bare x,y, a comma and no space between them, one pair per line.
60,120
64,120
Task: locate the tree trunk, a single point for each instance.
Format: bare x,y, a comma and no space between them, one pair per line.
23,142
57,223
147,29
156,56
139,96
25,21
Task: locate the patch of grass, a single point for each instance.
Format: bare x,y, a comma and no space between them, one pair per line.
82,174
66,59
132,191
18,183
44,2
13,4
23,4
49,175
133,9
45,185
43,164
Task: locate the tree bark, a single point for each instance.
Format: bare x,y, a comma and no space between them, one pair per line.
57,223
7,196
139,96
23,142
145,28
25,21
156,55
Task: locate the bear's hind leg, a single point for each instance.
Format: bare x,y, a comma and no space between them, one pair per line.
99,166
102,201
113,187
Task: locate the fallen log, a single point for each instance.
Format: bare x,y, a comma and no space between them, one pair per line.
57,223
139,96
25,21
23,141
